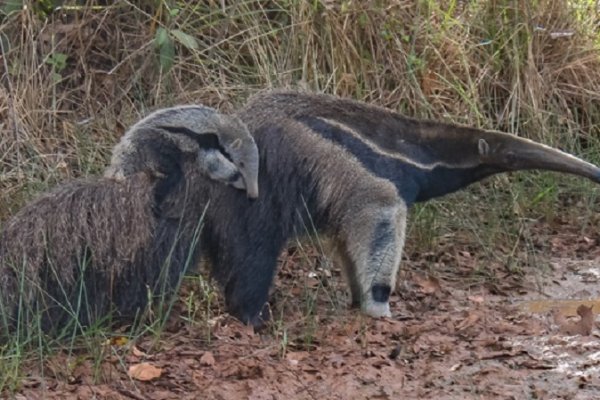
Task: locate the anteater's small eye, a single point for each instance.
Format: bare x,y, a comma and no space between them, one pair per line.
242,165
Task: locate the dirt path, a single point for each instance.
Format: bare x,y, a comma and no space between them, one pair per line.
444,341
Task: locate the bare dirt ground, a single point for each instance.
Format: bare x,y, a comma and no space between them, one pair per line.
448,339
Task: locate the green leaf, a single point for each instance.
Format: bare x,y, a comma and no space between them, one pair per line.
166,49
187,40
161,37
60,60
57,60
56,77
167,55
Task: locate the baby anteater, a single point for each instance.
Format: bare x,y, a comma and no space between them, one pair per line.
102,247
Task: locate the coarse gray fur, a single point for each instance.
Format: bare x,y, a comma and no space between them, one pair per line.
350,170
225,149
91,247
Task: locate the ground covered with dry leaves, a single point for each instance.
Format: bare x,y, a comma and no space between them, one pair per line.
447,340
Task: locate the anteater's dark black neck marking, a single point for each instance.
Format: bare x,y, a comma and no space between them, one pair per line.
416,174
205,140
439,158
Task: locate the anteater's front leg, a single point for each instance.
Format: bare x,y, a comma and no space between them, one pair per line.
370,242
245,264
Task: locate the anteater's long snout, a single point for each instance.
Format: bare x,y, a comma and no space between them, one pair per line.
250,176
526,154
252,190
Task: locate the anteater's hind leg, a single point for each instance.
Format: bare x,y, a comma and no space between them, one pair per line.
370,245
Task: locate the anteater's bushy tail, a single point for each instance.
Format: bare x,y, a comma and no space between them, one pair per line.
75,252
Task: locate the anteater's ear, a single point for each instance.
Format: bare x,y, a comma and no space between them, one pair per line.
484,147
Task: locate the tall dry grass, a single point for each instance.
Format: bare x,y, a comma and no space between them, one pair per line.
74,75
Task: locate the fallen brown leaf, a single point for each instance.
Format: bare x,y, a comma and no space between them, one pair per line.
161,395
137,352
295,357
249,369
582,327
427,284
207,359
471,320
144,372
478,299
587,318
